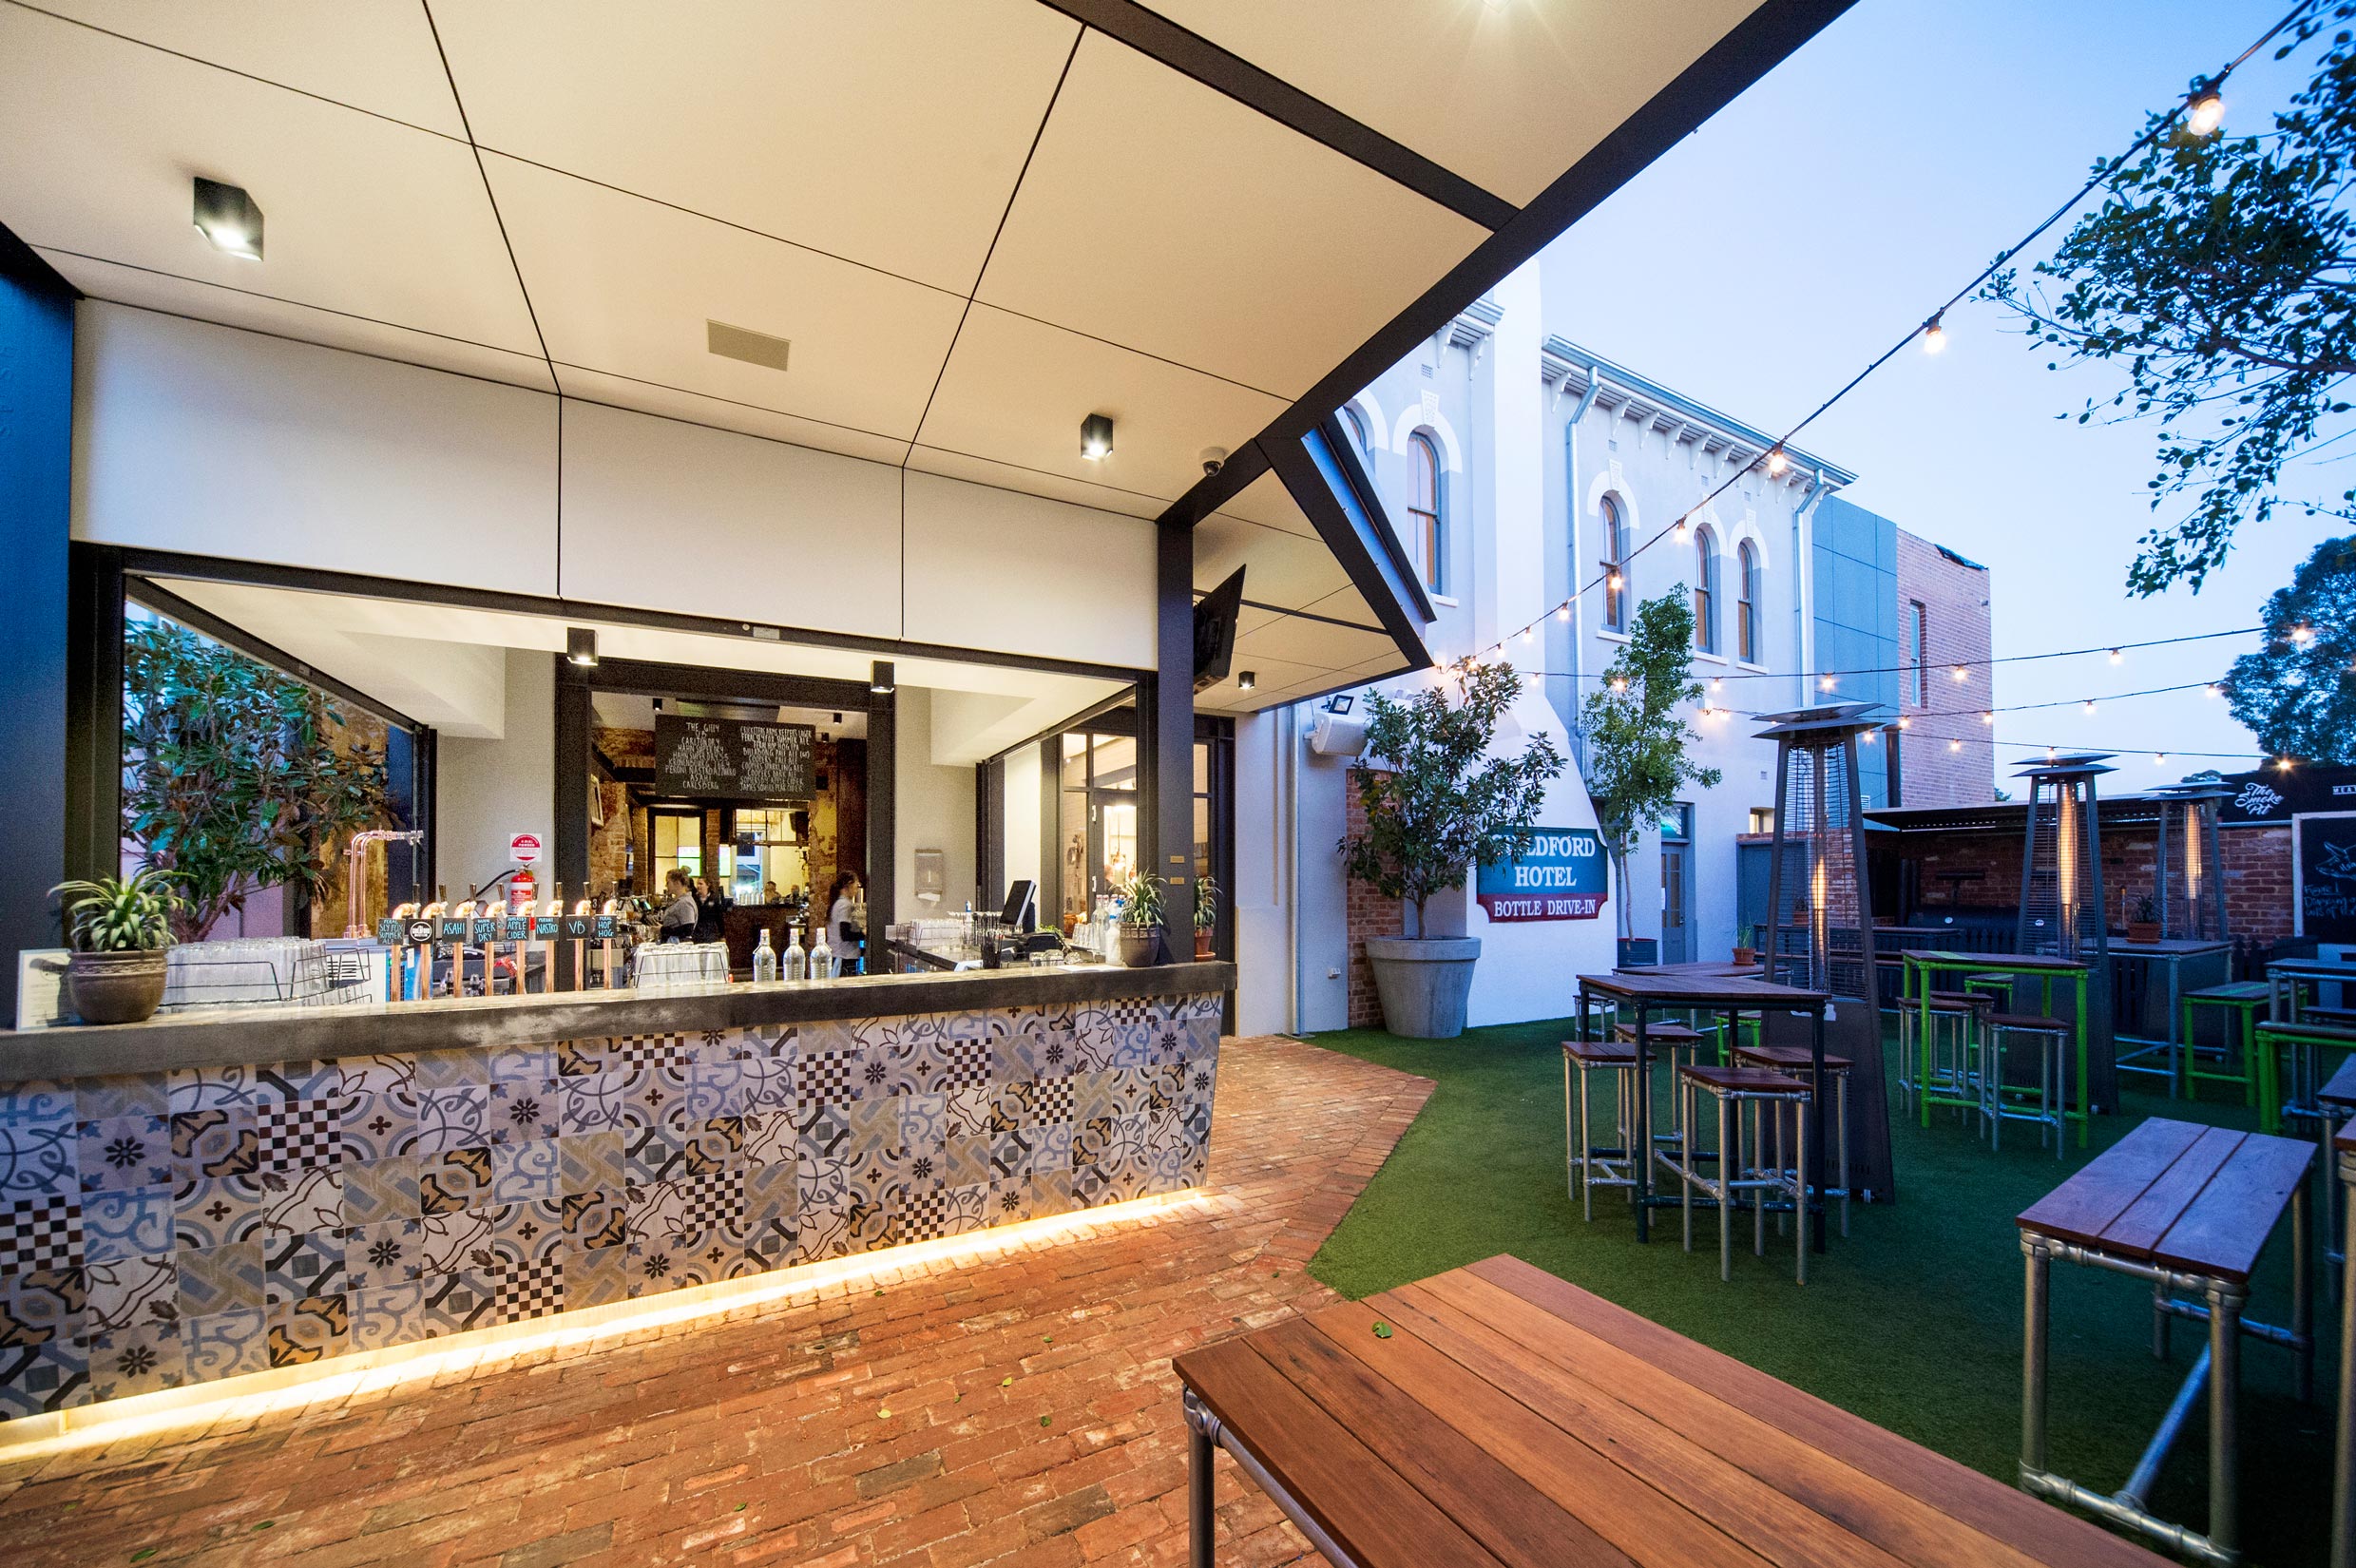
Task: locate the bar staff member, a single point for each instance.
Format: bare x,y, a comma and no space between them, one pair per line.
678,916
843,932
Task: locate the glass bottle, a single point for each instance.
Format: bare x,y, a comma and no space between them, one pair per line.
796,959
764,959
822,959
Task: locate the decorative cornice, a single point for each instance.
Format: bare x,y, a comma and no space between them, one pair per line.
1475,324
1568,368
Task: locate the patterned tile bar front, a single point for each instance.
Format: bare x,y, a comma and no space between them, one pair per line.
167,1228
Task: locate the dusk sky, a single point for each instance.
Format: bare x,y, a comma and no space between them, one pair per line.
1774,253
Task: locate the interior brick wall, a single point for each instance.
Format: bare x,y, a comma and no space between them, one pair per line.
1957,598
1367,913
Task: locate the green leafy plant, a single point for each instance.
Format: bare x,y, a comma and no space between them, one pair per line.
1206,903
2146,910
1140,901
233,776
2297,693
119,914
1441,804
1637,734
2220,275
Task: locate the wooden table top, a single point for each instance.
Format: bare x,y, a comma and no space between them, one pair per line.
2172,947
2040,962
1697,989
1510,1420
2178,1194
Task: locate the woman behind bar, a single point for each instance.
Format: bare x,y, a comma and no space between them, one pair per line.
679,915
842,919
711,906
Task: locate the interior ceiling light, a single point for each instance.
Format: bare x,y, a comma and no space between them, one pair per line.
753,347
879,678
1096,437
1246,680
227,217
1935,333
2204,110
580,645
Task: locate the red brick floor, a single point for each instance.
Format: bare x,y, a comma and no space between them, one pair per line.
762,1436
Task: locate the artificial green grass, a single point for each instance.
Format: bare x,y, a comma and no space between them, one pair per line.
1913,1321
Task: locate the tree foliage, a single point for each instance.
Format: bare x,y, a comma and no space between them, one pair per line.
1636,766
2220,274
230,779
1441,804
2298,692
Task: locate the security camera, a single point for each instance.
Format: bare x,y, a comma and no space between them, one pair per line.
1214,459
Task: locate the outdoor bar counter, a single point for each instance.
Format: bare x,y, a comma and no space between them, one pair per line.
197,1198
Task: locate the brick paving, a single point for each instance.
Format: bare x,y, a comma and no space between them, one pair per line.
837,1428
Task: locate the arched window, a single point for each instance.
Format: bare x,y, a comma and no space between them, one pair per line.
1614,577
1356,423
1427,521
1747,608
1705,589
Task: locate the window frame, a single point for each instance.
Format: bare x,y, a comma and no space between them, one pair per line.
1918,653
1430,523
1705,588
1746,606
1613,561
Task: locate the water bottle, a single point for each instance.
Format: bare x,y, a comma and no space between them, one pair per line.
822,959
764,960
796,959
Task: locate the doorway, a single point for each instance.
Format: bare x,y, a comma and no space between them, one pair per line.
1677,884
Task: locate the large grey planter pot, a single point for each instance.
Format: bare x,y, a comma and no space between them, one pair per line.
1423,983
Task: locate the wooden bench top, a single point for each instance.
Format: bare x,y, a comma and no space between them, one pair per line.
2202,1199
1497,1416
2341,1088
2240,990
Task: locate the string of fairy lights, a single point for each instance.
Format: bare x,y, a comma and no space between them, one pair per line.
2199,115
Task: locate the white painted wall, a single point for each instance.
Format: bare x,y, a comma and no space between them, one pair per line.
1019,821
934,811
486,790
989,569
1262,896
212,441
664,515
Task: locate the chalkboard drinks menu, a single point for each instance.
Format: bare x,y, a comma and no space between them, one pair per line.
732,760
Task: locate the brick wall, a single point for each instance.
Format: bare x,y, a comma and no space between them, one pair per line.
1957,598
1367,913
2257,873
2257,881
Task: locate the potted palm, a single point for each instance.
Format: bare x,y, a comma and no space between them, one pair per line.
1139,939
118,929
1206,914
2143,922
1439,805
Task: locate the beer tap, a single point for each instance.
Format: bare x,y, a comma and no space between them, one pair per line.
437,916
608,932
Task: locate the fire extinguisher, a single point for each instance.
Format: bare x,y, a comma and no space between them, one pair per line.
521,890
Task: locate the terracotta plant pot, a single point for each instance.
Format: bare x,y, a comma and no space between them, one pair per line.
1139,947
2143,931
1746,956
115,987
1202,944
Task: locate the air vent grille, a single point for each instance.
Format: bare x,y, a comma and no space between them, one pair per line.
753,347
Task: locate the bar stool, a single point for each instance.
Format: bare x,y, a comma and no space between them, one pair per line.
1581,1159
1995,987
2306,1044
1675,1044
2052,1037
1948,1067
1792,1060
1733,1086
2247,998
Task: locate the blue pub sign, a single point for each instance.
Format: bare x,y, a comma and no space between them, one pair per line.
1563,877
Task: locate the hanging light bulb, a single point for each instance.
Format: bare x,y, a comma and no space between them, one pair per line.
1619,683
1717,683
1905,723
1529,634
1563,612
1867,737
1616,581
2114,656
1935,333
2282,763
1776,463
1987,717
1825,682
2160,758
1681,531
2204,110
2301,634
1955,745
1961,673
2215,690
2090,705
2050,753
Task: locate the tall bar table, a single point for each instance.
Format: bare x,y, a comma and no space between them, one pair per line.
1640,993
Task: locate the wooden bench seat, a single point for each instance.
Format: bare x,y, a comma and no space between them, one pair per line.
2027,1021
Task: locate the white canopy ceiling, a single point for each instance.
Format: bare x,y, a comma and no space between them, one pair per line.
976,222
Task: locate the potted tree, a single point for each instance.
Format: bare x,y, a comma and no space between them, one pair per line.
1206,914
118,929
1637,734
1440,805
1139,939
2143,920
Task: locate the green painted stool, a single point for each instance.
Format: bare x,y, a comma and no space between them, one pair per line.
2306,1041
2246,997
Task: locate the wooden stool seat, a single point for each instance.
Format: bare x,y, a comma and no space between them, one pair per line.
1659,1034
1742,1080
1957,1002
2027,1021
1599,1053
1786,1059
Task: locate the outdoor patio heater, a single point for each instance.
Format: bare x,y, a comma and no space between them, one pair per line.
1820,911
2188,875
2062,907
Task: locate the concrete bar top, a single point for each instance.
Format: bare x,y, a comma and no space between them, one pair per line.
214,1037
